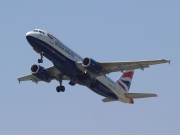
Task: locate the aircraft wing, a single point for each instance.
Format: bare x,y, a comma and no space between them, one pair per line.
139,95
130,65
28,78
52,70
109,67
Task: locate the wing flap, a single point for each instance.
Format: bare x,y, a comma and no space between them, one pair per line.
139,95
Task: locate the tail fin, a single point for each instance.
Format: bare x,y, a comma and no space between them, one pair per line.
125,79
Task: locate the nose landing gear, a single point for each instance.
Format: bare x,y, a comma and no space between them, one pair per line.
41,59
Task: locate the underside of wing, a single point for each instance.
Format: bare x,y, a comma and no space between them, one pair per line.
46,75
139,95
28,78
102,68
131,65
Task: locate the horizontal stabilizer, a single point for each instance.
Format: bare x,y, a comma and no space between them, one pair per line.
139,95
108,100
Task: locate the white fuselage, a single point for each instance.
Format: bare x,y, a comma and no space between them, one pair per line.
70,54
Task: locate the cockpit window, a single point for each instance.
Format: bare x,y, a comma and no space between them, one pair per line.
42,32
39,31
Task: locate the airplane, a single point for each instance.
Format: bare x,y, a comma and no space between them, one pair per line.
69,66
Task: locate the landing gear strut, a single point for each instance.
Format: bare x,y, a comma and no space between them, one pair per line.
41,59
60,88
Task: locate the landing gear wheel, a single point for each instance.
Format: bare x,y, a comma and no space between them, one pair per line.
40,60
60,88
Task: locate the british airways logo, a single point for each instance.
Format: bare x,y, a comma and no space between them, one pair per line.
52,37
63,47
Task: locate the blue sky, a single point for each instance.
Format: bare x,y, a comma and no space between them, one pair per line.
118,30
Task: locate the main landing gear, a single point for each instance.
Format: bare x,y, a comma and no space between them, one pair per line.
41,59
60,88
59,78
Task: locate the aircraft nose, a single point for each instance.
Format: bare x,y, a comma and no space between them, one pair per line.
29,33
31,38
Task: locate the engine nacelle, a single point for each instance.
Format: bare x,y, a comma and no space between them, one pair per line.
92,65
41,73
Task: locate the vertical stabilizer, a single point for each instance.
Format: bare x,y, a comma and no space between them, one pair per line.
125,79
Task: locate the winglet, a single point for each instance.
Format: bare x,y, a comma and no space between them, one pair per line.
169,61
19,80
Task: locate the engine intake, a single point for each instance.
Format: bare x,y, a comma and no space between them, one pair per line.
92,65
41,73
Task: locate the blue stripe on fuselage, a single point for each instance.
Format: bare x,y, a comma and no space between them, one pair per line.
66,66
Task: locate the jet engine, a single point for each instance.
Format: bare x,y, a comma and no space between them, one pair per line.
41,73
92,65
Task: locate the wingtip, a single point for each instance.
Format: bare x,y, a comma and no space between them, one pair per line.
169,61
154,95
18,80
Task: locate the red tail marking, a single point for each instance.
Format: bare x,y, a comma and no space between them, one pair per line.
128,74
121,85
